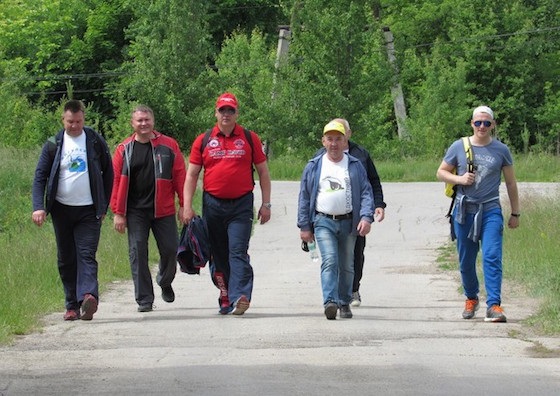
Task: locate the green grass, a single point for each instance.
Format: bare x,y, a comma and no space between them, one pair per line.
531,255
31,287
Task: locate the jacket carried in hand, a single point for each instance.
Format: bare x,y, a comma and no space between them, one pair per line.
100,170
169,168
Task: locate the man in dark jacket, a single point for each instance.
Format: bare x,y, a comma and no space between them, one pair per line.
73,182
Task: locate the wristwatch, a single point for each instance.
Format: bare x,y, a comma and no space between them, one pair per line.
516,214
267,205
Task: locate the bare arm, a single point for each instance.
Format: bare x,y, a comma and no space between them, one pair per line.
446,175
188,191
264,182
513,195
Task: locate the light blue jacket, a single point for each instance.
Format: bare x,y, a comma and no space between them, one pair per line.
362,194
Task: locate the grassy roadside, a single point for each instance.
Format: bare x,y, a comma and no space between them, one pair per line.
30,285
530,260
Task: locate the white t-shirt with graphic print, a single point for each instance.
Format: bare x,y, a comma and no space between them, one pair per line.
335,191
73,180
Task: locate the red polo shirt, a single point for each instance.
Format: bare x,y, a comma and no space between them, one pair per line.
227,162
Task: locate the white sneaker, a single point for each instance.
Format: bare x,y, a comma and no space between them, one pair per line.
356,299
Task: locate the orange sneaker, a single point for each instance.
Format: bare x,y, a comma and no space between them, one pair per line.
471,306
495,314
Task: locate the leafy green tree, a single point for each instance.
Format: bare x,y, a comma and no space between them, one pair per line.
244,16
165,66
337,68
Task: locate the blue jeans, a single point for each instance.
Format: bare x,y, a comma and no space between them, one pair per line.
336,244
230,222
491,239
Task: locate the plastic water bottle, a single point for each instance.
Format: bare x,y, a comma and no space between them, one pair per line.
313,251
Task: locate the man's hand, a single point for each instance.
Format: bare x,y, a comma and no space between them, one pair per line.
363,228
119,222
39,217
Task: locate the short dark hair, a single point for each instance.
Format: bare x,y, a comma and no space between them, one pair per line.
74,106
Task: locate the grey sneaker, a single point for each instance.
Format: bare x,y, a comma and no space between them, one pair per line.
345,312
471,306
356,299
495,314
330,310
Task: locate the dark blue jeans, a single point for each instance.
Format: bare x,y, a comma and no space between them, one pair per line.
139,224
77,230
230,222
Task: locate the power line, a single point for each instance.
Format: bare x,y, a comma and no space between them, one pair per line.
492,36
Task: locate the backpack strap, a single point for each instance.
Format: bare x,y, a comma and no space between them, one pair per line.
470,168
206,138
469,154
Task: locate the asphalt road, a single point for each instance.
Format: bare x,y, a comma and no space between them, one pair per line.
407,338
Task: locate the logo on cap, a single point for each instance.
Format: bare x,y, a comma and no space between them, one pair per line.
226,99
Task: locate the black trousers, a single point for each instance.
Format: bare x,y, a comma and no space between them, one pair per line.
77,230
358,262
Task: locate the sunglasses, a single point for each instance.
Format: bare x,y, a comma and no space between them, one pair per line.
479,123
226,111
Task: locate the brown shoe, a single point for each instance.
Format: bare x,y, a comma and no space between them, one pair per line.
71,314
89,307
240,306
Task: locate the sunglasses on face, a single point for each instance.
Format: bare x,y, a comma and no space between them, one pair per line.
479,123
226,111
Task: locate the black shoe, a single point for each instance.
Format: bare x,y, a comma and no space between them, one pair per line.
167,294
145,307
330,310
345,312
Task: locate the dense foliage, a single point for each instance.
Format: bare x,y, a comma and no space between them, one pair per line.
177,56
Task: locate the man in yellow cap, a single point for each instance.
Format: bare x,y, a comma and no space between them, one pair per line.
335,205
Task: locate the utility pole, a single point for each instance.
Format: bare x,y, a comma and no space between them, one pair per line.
284,36
396,88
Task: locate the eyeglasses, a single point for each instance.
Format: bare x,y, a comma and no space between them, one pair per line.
479,123
227,111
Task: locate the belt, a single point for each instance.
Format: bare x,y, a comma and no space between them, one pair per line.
336,217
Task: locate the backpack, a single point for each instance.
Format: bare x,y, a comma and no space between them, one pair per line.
451,189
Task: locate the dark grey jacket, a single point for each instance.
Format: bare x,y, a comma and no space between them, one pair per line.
100,169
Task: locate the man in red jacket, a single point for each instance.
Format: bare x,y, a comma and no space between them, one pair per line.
149,170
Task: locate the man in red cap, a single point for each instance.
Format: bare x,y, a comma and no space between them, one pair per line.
227,153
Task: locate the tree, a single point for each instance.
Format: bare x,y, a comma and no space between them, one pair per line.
165,66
